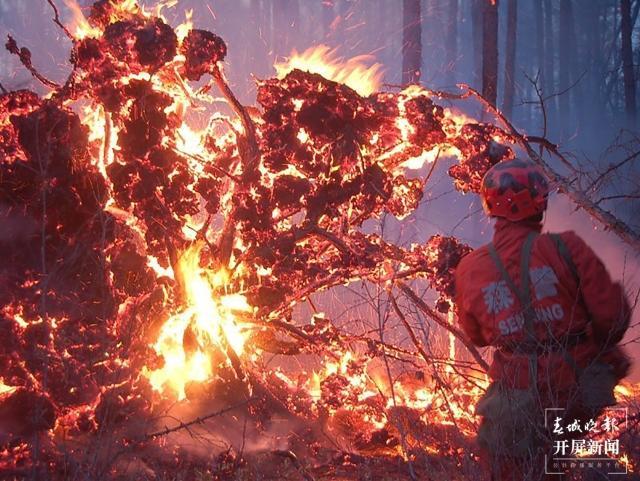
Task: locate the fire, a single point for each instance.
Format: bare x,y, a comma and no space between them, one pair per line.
80,27
95,117
325,61
208,318
5,389
203,231
189,141
183,29
452,125
426,157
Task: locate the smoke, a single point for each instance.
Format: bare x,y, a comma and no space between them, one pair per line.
242,430
621,261
15,226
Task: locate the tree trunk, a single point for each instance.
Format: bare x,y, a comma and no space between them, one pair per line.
476,33
286,17
596,71
452,41
627,63
548,88
328,17
510,58
566,39
490,50
540,54
411,41
259,52
344,10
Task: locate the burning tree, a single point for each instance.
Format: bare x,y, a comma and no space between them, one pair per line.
150,262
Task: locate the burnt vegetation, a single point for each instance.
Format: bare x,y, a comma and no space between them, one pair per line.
103,200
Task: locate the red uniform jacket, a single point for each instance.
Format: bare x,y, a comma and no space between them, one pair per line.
489,312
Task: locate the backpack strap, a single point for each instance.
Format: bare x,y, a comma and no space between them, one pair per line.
524,296
524,292
566,255
525,283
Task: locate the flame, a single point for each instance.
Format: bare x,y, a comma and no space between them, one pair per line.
95,117
426,157
363,385
5,389
205,332
323,60
190,141
182,30
208,317
125,7
161,5
622,390
80,27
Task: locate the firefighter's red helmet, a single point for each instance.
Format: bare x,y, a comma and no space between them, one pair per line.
515,189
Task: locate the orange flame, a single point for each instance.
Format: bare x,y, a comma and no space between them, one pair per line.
208,318
5,389
323,60
182,30
80,27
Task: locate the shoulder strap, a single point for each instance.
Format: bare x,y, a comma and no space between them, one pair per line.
503,271
524,293
525,282
566,255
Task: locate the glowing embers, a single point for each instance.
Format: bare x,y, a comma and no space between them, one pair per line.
359,387
204,334
5,389
80,28
322,60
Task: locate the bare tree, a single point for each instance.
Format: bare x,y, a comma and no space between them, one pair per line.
411,41
490,50
476,34
627,62
452,41
286,19
537,7
549,62
566,43
510,57
258,55
327,16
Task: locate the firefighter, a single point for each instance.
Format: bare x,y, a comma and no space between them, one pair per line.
547,305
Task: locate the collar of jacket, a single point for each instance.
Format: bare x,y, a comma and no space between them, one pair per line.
507,232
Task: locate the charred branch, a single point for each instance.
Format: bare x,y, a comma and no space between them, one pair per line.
24,54
56,20
433,315
581,198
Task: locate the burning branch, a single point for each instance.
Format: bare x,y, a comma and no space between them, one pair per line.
431,314
24,54
56,20
199,420
581,198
